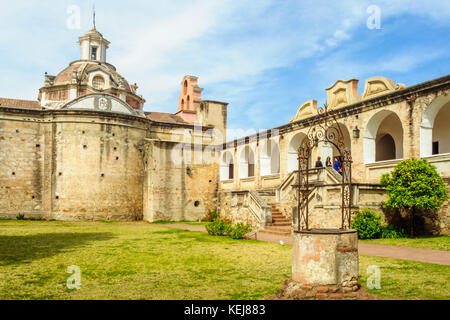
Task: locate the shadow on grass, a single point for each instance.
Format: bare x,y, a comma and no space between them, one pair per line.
21,249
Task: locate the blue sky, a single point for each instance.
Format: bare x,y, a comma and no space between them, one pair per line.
264,57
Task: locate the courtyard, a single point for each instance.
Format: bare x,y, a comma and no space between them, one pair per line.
139,260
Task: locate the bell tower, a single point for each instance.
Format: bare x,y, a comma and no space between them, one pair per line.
189,99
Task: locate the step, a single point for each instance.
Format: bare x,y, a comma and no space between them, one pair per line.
278,216
280,220
278,233
281,224
278,228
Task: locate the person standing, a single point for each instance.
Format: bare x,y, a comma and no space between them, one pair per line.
319,163
337,165
328,162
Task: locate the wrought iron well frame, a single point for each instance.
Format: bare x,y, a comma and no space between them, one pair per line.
324,129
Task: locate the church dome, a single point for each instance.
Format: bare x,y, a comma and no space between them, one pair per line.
83,68
91,74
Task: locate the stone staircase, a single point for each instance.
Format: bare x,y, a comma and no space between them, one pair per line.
280,225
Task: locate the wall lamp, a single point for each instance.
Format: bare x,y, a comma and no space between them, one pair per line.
356,132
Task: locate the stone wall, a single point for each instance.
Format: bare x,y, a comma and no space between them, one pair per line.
22,146
86,165
98,171
70,166
174,189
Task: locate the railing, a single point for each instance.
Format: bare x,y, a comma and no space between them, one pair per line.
259,209
316,176
250,203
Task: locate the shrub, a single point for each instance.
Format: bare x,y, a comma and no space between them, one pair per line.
213,215
239,230
224,227
414,186
391,232
368,224
219,227
20,216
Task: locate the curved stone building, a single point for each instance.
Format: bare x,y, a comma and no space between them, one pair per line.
87,150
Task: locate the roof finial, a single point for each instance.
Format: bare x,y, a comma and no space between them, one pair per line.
93,11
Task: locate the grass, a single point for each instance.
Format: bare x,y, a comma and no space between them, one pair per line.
427,242
192,223
136,260
407,280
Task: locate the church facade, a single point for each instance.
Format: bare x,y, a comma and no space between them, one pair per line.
86,149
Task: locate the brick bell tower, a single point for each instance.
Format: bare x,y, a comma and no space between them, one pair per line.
189,99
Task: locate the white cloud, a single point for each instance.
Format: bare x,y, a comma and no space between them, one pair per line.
232,45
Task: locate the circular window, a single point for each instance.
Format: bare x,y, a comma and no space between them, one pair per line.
196,203
98,83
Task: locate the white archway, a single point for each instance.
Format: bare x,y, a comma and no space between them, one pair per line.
246,163
435,129
330,150
294,144
269,158
377,146
227,166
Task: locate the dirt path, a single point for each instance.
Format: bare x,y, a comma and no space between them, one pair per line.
379,250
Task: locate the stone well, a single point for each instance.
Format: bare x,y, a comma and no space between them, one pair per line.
325,257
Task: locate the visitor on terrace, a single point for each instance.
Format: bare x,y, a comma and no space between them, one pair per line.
328,162
319,163
337,165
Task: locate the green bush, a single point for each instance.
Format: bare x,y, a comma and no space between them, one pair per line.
214,215
219,227
368,224
415,187
239,230
391,232
224,227
20,216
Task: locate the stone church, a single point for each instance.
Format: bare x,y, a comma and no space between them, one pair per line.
87,150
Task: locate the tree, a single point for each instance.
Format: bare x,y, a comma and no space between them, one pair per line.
414,185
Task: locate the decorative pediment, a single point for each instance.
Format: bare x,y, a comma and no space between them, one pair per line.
377,85
100,102
342,93
307,109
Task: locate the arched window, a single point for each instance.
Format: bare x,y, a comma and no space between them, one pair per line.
98,83
246,163
227,166
185,86
383,137
434,129
294,144
188,102
270,158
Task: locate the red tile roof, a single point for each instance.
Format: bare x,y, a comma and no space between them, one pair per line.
165,117
18,103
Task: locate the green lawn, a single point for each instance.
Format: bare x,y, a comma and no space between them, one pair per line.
427,242
149,261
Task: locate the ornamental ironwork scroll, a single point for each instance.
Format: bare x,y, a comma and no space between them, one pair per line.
324,129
